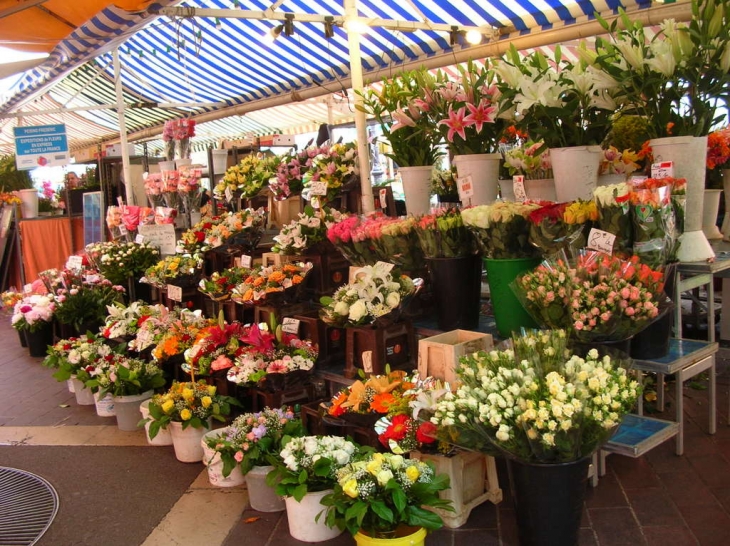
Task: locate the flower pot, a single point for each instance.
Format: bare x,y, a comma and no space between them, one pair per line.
105,405
70,386
29,202
214,464
417,188
484,172
710,209
413,538
653,341
548,501
576,171
84,396
39,340
508,311
187,442
127,410
220,161
22,338
263,497
688,154
456,289
163,437
301,517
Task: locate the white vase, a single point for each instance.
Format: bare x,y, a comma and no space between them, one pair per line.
575,170
213,462
70,385
127,411
484,172
105,405
710,209
187,442
726,220
84,396
688,155
163,437
220,161
301,517
263,497
610,179
29,202
417,188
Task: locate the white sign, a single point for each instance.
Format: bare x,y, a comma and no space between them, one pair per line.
75,262
246,261
290,326
162,236
139,239
600,240
662,170
174,292
385,265
383,196
28,288
465,187
518,186
229,194
319,188
41,146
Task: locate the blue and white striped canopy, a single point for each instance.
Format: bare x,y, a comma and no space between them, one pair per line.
210,64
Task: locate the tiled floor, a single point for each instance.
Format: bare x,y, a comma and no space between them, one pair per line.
658,499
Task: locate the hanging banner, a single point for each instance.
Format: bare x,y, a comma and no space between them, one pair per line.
41,146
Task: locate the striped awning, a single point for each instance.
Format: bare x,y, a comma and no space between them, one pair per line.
209,64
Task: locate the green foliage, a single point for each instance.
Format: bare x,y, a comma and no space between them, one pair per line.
11,179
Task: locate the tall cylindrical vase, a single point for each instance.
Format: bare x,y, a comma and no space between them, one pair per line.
23,339
688,155
220,161
28,202
263,497
417,188
710,210
548,501
484,172
726,191
575,170
301,517
509,314
653,341
126,408
456,287
39,340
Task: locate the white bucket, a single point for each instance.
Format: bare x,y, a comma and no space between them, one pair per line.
575,171
70,385
104,406
417,188
301,516
213,461
163,437
84,396
127,410
29,202
187,442
484,172
220,161
263,497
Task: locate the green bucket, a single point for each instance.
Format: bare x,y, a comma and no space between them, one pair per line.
508,311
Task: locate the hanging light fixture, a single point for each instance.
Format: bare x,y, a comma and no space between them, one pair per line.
329,27
287,27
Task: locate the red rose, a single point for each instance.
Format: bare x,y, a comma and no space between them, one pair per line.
199,236
426,432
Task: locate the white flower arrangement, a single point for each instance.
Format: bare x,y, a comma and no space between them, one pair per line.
308,229
124,320
250,367
606,196
32,311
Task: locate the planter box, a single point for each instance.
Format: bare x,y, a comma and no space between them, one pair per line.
473,481
329,271
394,344
438,356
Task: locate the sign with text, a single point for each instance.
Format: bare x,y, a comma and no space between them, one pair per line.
600,240
174,292
663,169
290,326
246,261
465,186
162,236
41,146
319,188
75,262
518,186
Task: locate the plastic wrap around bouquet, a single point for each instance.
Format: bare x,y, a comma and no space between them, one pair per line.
276,285
376,297
596,298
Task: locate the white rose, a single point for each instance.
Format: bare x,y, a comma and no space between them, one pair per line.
342,309
393,300
357,311
384,476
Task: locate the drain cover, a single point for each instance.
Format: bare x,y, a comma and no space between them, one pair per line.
28,504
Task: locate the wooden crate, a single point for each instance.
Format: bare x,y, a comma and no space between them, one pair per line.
330,340
438,356
394,345
262,313
261,399
473,479
277,260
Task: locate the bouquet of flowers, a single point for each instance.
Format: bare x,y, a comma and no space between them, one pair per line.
308,464
562,226
372,398
289,180
253,438
180,131
358,251
220,284
528,160
444,235
7,198
375,293
75,355
306,231
125,321
614,216
118,261
537,402
153,189
214,348
652,216
501,229
617,162
188,187
378,494
172,269
84,299
171,334
248,178
718,149
33,312
600,298
336,167
124,376
272,282
243,228
9,298
189,403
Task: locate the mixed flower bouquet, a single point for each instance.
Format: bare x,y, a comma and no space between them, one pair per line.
444,235
289,180
562,226
242,227
537,402
153,189
7,198
375,293
306,231
172,269
372,398
502,229
309,463
615,161
656,237
253,438
220,284
383,492
124,376
214,348
33,312
189,403
248,178
180,131
118,261
598,298
70,357
337,167
718,149
9,298
614,207
530,159
124,321
171,334
272,283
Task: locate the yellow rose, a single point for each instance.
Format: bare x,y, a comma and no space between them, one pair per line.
211,390
188,394
186,414
206,401
412,473
167,406
350,488
374,467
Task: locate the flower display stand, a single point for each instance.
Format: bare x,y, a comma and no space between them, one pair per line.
318,423
329,339
473,479
262,313
394,344
438,356
261,398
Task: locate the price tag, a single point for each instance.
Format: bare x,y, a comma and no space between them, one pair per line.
75,262
319,188
139,239
383,196
518,186
290,326
28,288
465,186
600,240
385,265
144,338
246,261
663,169
174,292
229,194
367,361
122,229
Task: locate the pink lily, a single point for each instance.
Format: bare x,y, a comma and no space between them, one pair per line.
479,115
455,123
402,119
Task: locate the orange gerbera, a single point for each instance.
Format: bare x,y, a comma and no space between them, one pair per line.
259,281
382,402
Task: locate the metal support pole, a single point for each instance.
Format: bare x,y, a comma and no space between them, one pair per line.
126,173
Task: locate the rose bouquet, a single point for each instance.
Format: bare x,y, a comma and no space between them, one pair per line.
537,402
118,261
599,298
527,160
173,269
178,131
614,216
377,495
375,293
124,376
69,356
336,167
306,231
653,220
358,251
272,283
189,403
153,189
289,180
33,312
562,226
444,235
502,229
253,438
188,187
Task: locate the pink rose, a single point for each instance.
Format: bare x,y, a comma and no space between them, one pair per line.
238,456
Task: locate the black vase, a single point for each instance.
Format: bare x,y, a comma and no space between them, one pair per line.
39,340
548,501
456,288
653,341
23,340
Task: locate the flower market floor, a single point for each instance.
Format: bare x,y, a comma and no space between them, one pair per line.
116,490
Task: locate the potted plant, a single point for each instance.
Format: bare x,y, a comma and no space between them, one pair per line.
82,302
384,496
305,470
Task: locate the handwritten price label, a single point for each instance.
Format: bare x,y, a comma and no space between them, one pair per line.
465,186
518,186
246,261
139,239
319,188
663,169
367,361
383,196
74,262
290,326
229,195
385,265
174,292
601,241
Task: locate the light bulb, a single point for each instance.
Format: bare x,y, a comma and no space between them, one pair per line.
355,25
473,36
